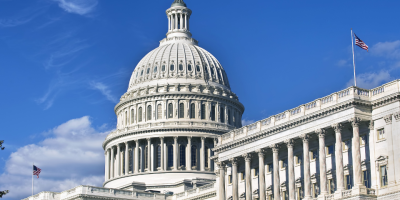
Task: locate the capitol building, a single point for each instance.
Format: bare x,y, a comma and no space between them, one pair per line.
179,137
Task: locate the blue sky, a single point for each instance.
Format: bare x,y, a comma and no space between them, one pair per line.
65,63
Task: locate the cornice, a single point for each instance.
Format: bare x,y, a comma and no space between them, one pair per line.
385,100
292,124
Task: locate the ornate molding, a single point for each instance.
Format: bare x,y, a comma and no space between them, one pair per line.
337,127
289,143
388,119
261,152
371,125
355,121
396,116
234,161
275,148
320,132
247,157
305,138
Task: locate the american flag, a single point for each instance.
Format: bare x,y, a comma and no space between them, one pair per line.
360,43
36,171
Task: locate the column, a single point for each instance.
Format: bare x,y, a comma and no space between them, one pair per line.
137,156
148,155
176,21
202,157
261,174
306,166
176,153
186,22
118,160
290,145
142,158
322,161
339,159
355,122
107,174
389,136
249,192
162,153
181,20
169,22
221,188
112,172
226,113
189,154
235,188
126,158
277,185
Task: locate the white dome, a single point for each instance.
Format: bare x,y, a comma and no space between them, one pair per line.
178,62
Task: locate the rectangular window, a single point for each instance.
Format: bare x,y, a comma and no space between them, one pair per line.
313,154
365,178
329,150
383,174
283,163
159,111
347,182
212,113
381,134
331,186
255,172
203,111
230,179
242,176
346,145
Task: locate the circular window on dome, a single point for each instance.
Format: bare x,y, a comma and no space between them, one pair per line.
155,69
172,67
180,67
198,68
190,67
148,70
141,73
163,68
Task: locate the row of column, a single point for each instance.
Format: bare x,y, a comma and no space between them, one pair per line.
178,21
356,156
113,158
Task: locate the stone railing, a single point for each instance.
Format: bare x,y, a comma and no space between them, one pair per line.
330,197
371,191
346,193
188,194
316,105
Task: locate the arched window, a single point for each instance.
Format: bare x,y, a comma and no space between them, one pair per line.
182,155
137,73
139,163
159,111
132,116
206,155
140,114
163,68
170,110
149,112
198,68
203,111
126,118
212,113
180,67
190,67
172,67
206,69
148,70
130,160
181,110
170,156
194,156
222,114
141,73
229,117
146,161
155,69
159,156
192,111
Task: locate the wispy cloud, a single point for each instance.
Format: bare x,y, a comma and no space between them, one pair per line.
247,122
22,17
80,7
387,49
104,90
371,80
83,155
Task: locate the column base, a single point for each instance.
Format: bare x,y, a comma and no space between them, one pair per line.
359,189
338,194
307,198
321,196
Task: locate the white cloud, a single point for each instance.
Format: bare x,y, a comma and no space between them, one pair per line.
71,155
104,90
81,7
371,80
343,63
387,49
247,122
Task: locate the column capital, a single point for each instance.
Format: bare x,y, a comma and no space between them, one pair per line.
234,161
388,119
396,116
371,125
355,121
320,132
126,143
175,138
189,137
260,152
148,139
203,138
289,143
275,148
221,164
247,157
162,138
337,127
305,137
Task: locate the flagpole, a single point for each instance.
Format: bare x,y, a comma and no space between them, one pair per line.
354,63
32,177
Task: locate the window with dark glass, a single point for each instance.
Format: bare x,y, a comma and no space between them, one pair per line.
181,110
148,70
329,150
146,161
189,67
171,68
213,113
170,110
163,68
194,156
155,69
141,73
149,112
347,179
159,156
180,67
182,155
203,111
229,116
256,172
198,68
206,155
170,156
222,114
140,114
383,174
365,178
192,111
159,111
